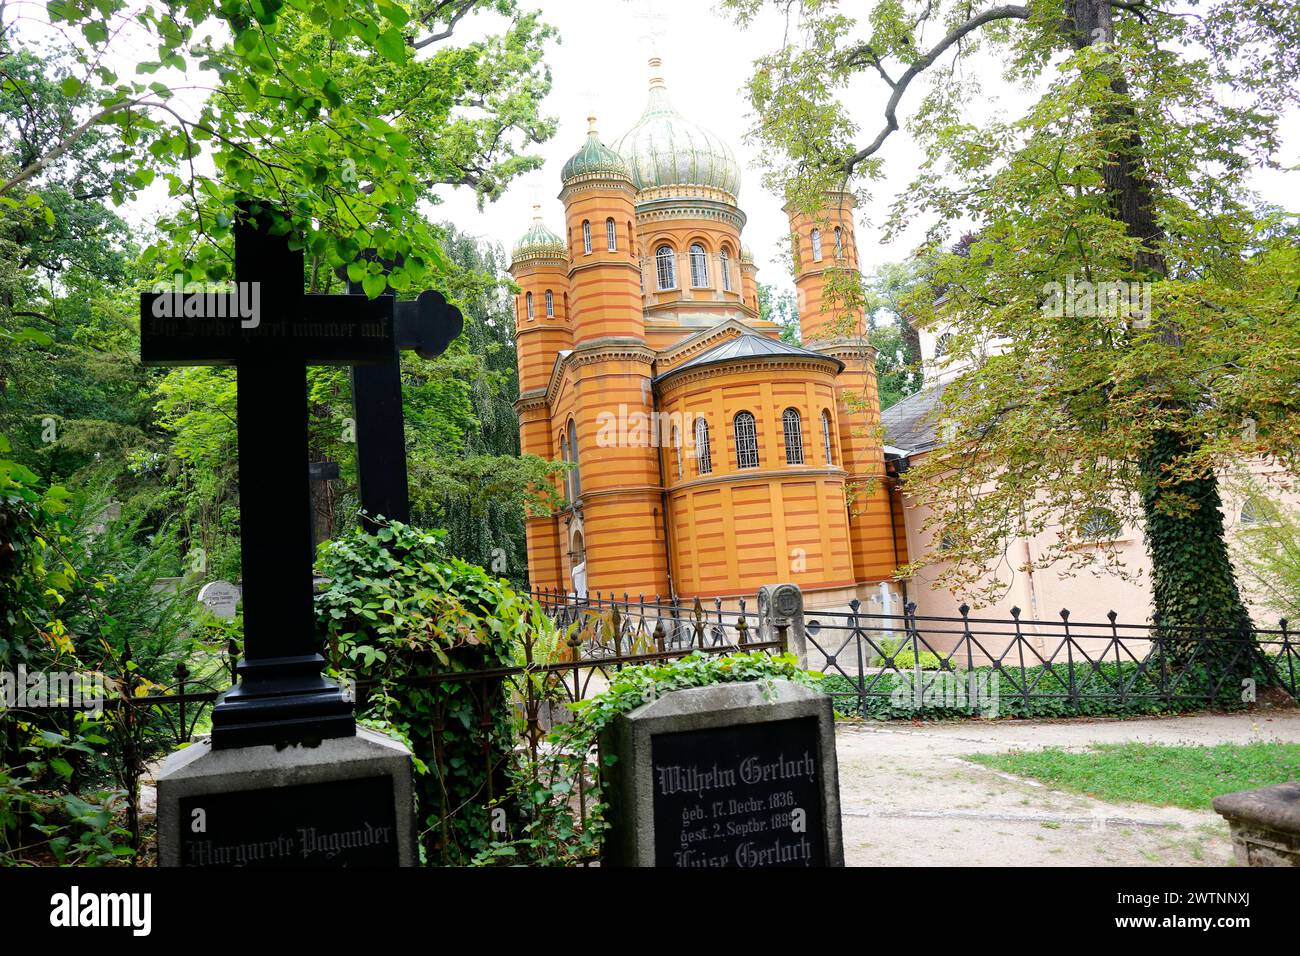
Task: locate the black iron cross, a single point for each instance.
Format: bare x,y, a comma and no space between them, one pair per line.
426,326
270,332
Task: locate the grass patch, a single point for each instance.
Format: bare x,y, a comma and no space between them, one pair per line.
1188,777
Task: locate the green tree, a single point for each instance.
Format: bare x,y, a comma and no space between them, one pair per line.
890,330
780,306
1129,167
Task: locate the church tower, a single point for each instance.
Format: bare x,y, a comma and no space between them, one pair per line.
616,528
540,267
833,321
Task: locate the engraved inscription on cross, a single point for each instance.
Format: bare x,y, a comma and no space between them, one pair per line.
281,696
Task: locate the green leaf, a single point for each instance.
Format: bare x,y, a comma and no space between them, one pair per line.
392,44
70,86
374,286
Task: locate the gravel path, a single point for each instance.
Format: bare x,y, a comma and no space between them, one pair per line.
909,799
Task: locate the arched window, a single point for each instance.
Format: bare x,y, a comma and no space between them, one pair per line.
611,235
528,300
792,425
839,243
550,304
725,264
573,447
943,344
826,437
817,244
746,441
703,457
677,446
1249,514
666,265
586,237
699,267
568,475
1101,524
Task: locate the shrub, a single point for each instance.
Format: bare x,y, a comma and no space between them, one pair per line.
399,611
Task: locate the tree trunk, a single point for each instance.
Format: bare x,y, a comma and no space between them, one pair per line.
1193,581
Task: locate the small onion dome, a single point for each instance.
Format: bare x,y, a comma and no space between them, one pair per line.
746,256
665,149
595,159
539,242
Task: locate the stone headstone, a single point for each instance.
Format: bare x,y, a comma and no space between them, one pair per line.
346,802
781,605
730,775
221,598
1265,824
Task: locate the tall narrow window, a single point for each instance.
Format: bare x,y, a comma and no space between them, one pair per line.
703,457
839,243
611,235
724,261
792,424
529,300
568,475
550,304
746,441
666,264
573,446
677,446
586,237
826,437
699,267
817,244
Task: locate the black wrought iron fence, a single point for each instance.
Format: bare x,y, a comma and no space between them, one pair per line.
880,665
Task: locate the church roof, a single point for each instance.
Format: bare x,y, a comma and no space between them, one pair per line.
595,158
749,345
538,241
911,424
664,148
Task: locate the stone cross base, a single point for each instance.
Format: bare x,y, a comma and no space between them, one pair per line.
1265,824
345,802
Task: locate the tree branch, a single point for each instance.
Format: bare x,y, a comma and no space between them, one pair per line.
1006,12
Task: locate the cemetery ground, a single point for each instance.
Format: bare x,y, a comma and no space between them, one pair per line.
913,796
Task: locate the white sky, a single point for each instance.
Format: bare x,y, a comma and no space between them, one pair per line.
601,66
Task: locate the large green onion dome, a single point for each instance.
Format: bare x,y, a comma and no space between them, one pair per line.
539,242
666,149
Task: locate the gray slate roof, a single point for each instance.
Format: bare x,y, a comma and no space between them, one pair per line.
749,345
910,425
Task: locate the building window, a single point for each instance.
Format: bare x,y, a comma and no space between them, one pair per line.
568,475
677,445
703,457
611,235
942,345
666,264
746,441
826,436
573,450
817,245
699,267
550,304
586,237
792,425
1249,515
725,261
528,300
1101,524
839,243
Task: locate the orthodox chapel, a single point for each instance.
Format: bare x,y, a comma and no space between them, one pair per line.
707,456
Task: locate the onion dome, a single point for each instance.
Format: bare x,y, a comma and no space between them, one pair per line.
539,242
595,160
666,149
746,256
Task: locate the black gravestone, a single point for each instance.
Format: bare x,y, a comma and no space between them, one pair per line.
738,774
270,332
341,823
425,326
729,796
